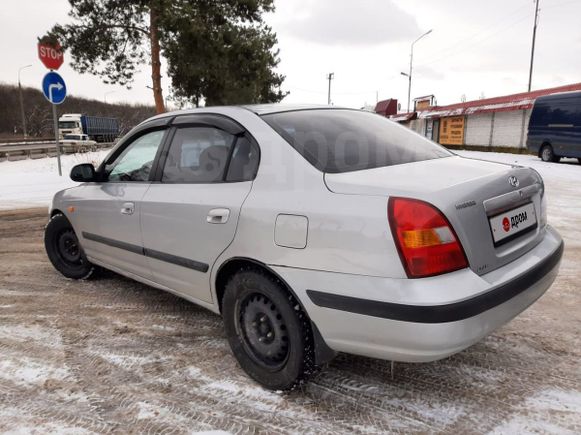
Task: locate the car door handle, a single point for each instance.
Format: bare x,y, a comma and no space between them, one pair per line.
128,208
218,216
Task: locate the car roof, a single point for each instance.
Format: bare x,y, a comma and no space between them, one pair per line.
264,109
258,109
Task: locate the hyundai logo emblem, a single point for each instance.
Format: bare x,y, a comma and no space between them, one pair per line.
513,181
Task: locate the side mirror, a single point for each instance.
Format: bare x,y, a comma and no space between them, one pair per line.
84,173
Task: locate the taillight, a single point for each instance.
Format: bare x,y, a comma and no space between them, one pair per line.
426,241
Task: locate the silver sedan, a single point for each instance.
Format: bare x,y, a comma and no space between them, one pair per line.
312,231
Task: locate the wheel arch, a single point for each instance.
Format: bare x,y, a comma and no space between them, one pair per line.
232,265
55,211
323,353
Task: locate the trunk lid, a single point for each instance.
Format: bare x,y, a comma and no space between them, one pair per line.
469,192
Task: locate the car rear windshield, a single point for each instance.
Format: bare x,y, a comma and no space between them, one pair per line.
337,140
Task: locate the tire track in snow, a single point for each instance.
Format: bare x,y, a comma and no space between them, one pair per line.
115,356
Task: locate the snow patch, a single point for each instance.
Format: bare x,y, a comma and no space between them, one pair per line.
542,405
128,361
211,432
557,400
28,371
484,375
33,183
48,336
147,411
47,429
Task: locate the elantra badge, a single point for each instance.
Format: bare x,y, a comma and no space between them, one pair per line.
513,181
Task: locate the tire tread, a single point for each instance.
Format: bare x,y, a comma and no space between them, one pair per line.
92,269
308,361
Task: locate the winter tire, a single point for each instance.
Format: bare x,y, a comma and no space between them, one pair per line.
64,250
547,154
268,332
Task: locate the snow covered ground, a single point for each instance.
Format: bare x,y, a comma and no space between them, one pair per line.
32,183
567,169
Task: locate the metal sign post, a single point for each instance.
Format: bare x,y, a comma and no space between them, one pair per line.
55,91
56,139
53,86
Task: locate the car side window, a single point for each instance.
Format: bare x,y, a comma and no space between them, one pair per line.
244,162
198,155
136,160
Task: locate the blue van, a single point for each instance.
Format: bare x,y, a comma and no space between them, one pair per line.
555,127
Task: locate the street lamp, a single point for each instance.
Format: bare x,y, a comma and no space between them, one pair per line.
330,77
24,132
107,93
409,75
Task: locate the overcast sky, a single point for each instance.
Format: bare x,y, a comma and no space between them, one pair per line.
476,47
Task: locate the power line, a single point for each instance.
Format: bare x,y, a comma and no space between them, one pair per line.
464,49
551,6
463,41
312,91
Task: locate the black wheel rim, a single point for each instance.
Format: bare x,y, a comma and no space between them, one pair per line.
263,331
68,248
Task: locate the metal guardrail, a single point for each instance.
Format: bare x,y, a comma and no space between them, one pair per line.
39,150
26,141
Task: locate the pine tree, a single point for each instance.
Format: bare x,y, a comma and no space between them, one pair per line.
217,50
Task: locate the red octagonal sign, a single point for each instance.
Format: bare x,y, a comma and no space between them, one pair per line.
51,56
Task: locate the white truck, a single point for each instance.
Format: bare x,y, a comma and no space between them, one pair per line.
97,128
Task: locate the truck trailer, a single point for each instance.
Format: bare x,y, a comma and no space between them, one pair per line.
98,128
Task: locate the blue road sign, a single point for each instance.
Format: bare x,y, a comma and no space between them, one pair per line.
54,88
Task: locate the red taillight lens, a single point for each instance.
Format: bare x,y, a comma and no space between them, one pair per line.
426,241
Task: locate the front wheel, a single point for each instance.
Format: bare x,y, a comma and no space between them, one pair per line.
268,332
548,155
64,250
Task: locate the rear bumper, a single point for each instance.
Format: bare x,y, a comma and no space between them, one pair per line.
453,312
426,319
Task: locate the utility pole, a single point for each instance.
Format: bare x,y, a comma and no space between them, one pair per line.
24,132
330,77
533,45
409,75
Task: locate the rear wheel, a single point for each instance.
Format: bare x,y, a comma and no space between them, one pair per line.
268,332
548,155
64,250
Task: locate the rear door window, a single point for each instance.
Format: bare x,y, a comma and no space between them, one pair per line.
198,155
336,140
244,162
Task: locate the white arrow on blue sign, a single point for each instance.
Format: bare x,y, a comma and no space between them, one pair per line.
54,88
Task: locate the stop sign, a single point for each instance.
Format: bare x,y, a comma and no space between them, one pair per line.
50,55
